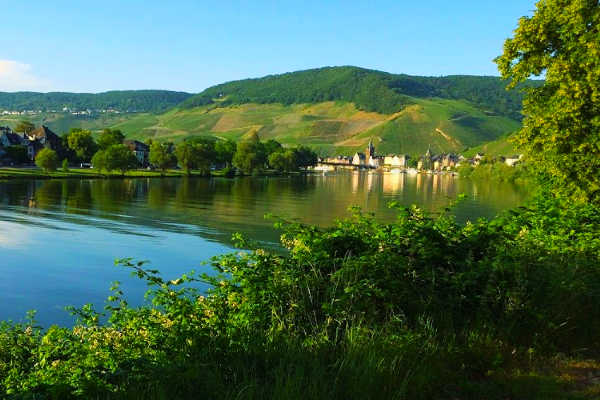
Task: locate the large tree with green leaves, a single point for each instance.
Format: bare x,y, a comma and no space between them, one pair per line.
561,130
284,160
161,155
81,142
250,155
110,137
117,157
195,154
224,151
305,157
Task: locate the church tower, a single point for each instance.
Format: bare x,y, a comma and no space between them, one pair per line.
370,150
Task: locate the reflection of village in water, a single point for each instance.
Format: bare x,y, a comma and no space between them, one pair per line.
215,208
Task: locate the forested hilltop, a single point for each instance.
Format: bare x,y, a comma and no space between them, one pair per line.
335,110
123,100
369,90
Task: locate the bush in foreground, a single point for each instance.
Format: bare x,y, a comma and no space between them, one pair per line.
419,308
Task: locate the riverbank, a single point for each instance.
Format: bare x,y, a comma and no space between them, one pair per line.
87,173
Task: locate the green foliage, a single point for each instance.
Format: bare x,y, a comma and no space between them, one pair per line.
117,157
99,160
293,159
186,156
125,101
162,155
305,157
283,161
65,165
225,149
271,146
110,137
250,156
196,153
562,128
370,90
47,159
498,171
82,143
228,172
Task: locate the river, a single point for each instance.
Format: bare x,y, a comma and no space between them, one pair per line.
59,238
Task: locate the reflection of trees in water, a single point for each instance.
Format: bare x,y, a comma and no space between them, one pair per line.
16,193
228,205
112,195
48,195
78,196
161,192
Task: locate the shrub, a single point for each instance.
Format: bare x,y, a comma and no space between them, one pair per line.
47,159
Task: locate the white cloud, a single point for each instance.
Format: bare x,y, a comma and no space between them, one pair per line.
16,76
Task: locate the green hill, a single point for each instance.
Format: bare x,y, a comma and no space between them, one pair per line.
445,125
124,101
369,90
499,147
333,109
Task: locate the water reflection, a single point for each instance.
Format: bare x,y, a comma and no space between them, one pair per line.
219,207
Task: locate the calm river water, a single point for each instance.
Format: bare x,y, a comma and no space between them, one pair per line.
59,238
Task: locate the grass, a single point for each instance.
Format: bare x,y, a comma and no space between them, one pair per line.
36,173
86,173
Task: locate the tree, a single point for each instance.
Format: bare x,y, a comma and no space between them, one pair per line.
65,165
205,155
305,157
47,159
24,127
117,157
110,137
561,130
224,151
284,160
249,156
161,156
99,160
196,153
186,156
82,143
272,146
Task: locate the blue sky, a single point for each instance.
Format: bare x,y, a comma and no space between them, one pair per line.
190,45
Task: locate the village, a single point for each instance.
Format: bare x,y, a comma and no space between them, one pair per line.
427,163
65,110
22,148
